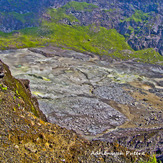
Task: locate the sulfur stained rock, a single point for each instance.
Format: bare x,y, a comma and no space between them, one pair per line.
16,146
31,147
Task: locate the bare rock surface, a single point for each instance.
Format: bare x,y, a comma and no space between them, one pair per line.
83,114
94,97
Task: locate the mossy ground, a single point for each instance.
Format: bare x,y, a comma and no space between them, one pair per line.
23,18
138,16
80,6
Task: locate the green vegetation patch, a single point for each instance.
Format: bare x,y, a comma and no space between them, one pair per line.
92,38
60,14
80,6
148,55
131,29
24,18
20,17
3,87
110,10
138,16
85,38
151,160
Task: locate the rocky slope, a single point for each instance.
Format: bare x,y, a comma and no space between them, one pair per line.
139,21
100,99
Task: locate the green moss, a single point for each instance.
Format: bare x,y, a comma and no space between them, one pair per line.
151,160
109,11
80,6
24,18
20,17
131,29
27,99
148,55
59,14
127,35
2,34
3,87
138,16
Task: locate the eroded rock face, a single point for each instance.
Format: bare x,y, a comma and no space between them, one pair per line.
21,91
94,97
1,70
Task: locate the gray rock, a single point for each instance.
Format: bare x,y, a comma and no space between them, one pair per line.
113,92
86,115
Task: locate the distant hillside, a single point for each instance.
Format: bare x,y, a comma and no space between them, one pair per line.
59,28
140,22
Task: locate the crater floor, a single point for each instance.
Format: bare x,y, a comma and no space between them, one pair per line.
100,99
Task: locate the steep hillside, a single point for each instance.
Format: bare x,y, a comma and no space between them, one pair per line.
22,97
141,24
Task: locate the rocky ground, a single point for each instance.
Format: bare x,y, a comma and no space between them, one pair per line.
112,101
27,138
